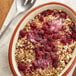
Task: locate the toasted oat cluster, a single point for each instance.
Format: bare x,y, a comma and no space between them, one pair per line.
45,44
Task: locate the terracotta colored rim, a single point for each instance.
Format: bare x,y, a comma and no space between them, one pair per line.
12,39
69,69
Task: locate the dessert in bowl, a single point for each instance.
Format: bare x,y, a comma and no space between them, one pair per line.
43,43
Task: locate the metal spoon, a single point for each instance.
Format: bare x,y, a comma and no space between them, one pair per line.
21,6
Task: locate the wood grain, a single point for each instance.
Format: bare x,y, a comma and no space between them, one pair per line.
4,9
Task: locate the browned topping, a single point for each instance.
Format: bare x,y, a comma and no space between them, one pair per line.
46,50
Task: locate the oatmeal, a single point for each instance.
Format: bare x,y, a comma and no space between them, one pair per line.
45,45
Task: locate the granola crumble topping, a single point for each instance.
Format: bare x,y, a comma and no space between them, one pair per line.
46,43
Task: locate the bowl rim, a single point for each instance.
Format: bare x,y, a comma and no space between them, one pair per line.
12,38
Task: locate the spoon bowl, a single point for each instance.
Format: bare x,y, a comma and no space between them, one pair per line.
23,5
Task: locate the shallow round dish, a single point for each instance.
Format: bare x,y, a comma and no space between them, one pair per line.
29,15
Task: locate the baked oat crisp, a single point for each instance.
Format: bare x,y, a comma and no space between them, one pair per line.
46,44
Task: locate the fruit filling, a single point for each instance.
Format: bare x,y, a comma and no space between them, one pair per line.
46,43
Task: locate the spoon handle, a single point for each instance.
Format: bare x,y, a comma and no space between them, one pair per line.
18,11
1,33
7,25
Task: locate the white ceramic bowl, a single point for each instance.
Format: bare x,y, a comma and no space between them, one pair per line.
29,15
